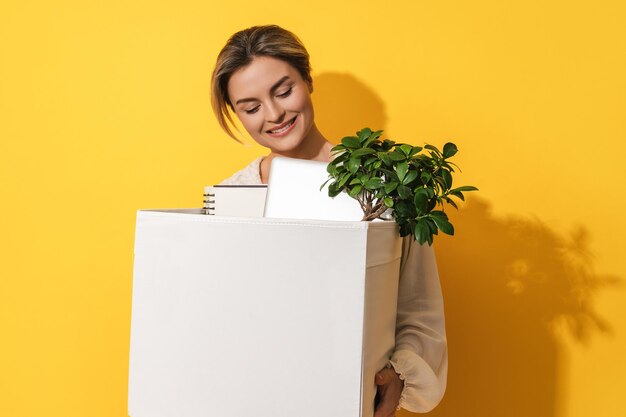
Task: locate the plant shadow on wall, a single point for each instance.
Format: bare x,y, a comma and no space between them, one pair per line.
511,285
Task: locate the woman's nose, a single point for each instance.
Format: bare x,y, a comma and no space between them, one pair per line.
275,112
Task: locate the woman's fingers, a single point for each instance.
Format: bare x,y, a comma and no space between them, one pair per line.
389,387
385,376
385,409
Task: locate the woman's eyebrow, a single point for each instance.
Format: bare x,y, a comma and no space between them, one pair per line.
278,83
272,90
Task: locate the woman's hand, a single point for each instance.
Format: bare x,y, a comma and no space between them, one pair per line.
389,386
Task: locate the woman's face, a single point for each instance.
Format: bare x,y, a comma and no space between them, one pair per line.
273,103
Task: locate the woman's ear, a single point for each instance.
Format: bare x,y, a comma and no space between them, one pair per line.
310,84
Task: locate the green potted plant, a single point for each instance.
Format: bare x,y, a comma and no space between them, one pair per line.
409,181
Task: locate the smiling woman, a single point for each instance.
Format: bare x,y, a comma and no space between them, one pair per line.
263,76
276,110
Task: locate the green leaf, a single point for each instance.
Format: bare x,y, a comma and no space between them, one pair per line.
391,175
453,164
424,161
466,188
431,204
451,202
422,232
340,158
457,194
370,161
403,209
344,179
401,170
425,177
414,150
353,165
333,191
440,181
444,225
355,181
364,134
372,138
355,191
388,201
447,178
432,148
338,147
432,227
351,142
373,184
384,156
409,177
406,149
388,144
376,134
390,186
363,151
449,149
397,155
325,182
421,200
405,229
332,169
439,213
404,191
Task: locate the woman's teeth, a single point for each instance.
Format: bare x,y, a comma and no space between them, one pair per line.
284,128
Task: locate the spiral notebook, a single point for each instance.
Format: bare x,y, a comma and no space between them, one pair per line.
235,200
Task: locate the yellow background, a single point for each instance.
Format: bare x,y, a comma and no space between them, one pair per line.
104,109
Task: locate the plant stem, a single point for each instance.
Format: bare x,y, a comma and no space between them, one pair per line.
378,209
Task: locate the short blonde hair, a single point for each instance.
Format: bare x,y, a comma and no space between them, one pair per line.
242,47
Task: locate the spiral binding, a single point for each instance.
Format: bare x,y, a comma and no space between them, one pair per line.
208,203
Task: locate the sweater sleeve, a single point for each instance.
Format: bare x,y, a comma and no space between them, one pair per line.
420,357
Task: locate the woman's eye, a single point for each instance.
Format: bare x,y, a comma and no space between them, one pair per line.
253,110
285,94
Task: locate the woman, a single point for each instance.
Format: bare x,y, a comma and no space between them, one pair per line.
263,76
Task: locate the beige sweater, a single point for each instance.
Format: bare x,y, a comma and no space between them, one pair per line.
421,353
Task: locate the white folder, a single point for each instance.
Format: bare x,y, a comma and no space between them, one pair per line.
294,192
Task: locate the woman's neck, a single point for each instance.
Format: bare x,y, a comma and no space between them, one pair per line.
314,147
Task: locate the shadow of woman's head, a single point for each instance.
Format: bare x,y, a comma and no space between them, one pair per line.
344,105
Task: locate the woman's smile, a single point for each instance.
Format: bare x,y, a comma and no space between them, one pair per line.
283,129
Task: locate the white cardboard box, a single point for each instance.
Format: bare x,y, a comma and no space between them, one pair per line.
259,317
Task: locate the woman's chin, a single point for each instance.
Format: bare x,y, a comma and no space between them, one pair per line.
289,151
287,144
